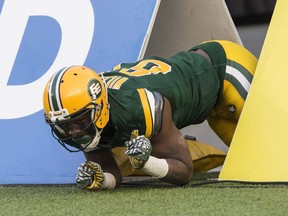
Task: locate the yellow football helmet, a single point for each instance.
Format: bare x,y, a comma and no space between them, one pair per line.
76,95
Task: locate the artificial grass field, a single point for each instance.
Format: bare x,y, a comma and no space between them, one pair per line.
203,196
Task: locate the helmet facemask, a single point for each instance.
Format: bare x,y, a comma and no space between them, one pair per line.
88,134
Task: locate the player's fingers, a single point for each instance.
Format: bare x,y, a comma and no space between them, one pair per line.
132,152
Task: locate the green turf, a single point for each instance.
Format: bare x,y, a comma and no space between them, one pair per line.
148,197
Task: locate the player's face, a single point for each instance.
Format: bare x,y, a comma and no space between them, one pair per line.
78,126
79,131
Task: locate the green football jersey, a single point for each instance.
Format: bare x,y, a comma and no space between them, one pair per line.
187,79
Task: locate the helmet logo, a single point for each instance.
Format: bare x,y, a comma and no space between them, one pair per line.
94,89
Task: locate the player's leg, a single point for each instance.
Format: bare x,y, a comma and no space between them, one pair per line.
205,157
240,68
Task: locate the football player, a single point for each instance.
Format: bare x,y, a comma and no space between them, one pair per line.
127,120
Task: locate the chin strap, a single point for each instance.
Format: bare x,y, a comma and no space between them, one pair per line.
93,144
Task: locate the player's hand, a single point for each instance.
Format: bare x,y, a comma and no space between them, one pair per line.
90,176
138,150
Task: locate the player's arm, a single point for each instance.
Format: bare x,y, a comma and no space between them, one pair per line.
100,171
169,144
168,158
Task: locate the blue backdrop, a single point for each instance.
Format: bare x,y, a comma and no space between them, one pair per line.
37,38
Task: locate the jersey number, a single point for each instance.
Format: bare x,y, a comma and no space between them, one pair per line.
142,68
146,67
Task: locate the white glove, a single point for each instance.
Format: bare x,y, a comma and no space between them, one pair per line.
138,150
90,176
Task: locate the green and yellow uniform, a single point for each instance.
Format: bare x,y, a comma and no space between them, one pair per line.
196,89
192,85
